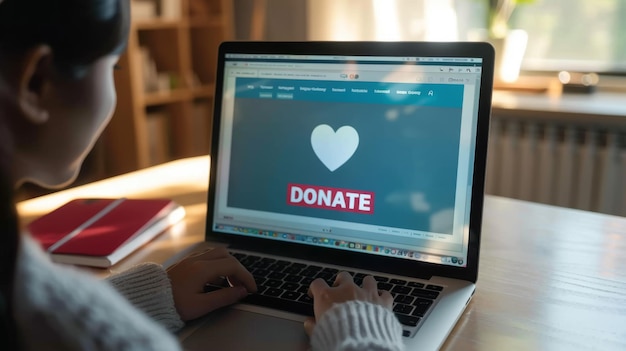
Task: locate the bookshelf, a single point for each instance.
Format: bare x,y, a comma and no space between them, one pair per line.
165,83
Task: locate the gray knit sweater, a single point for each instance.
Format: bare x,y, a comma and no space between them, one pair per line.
62,308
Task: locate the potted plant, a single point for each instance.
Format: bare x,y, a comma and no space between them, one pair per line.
498,15
509,44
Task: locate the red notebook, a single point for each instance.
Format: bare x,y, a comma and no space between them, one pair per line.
100,232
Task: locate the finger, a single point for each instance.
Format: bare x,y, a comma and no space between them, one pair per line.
342,278
228,267
317,286
233,281
370,284
206,303
309,325
387,298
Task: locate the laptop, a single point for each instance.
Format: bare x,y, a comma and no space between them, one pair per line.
366,157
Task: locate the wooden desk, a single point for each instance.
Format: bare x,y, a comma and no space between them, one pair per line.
550,278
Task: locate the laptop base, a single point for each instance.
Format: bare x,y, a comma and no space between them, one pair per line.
237,329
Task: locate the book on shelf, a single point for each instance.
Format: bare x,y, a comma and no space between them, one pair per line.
100,232
157,125
201,117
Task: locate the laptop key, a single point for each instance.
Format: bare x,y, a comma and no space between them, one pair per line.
259,272
276,275
381,279
425,302
275,292
421,307
260,289
306,281
408,320
290,295
238,256
290,286
303,289
292,270
404,309
328,278
434,287
428,294
306,299
397,281
247,264
415,285
308,273
385,286
250,259
260,264
298,265
276,267
273,283
292,278
401,289
259,280
404,299
325,275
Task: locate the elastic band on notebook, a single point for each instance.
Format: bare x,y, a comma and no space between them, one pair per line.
86,224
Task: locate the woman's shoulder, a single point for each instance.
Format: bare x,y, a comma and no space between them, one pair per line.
63,305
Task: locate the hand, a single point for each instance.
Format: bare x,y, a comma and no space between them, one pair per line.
191,274
344,289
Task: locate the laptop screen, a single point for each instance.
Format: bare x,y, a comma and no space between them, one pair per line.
373,154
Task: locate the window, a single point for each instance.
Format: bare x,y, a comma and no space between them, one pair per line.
577,35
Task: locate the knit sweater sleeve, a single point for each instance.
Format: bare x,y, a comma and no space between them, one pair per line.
357,325
64,308
148,288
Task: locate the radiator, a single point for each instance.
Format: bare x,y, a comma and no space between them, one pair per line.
565,165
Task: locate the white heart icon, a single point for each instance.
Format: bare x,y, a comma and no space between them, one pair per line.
334,148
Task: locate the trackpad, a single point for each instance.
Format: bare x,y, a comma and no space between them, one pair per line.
233,329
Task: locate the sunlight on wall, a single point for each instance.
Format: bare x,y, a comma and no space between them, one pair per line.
441,21
385,20
194,172
382,20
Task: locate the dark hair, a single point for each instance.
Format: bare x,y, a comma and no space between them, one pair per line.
8,251
78,31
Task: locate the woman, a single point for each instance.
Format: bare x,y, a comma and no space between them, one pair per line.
57,94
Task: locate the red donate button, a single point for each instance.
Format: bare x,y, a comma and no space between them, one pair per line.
330,198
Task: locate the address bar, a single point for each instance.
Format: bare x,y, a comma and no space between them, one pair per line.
271,64
297,74
399,76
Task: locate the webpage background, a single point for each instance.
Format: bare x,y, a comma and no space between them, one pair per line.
407,156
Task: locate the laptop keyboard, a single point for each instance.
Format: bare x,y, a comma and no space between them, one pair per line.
284,285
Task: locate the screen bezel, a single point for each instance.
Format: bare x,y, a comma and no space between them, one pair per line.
364,261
